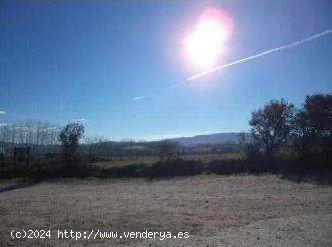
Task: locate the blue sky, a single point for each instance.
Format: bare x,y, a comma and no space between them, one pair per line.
113,63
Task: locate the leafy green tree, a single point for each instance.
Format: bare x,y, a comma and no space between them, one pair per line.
319,109
312,126
270,126
303,134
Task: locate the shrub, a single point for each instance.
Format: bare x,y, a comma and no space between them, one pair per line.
45,168
173,168
226,167
167,149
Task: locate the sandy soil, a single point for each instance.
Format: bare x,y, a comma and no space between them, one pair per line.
215,210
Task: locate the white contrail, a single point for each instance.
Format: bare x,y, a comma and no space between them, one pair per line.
289,46
137,98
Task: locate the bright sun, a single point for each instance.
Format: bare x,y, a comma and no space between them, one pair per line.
205,44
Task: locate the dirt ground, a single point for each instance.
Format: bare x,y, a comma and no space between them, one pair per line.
215,210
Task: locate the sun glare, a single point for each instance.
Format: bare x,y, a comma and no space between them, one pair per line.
205,44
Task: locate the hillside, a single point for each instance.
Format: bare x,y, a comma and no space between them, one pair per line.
217,138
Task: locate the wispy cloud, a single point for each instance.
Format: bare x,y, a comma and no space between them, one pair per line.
289,46
176,85
138,98
2,112
81,120
52,128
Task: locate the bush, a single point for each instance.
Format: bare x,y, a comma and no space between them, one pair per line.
226,167
125,171
52,168
174,168
252,152
169,168
45,168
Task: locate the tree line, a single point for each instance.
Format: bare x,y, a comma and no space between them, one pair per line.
276,127
306,131
40,136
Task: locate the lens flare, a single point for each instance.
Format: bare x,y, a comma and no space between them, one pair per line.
205,43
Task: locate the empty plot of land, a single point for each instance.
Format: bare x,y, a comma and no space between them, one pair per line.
215,210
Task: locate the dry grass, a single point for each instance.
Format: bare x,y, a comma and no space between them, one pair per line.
216,210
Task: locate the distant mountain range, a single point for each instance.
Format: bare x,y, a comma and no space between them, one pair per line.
218,138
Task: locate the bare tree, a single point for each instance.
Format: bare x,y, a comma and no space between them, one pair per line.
35,134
